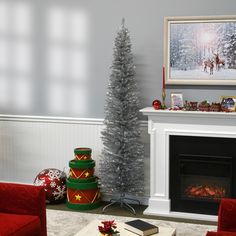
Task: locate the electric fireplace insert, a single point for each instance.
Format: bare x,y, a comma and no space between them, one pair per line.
201,173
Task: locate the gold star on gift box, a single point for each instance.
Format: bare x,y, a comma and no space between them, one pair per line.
86,174
78,197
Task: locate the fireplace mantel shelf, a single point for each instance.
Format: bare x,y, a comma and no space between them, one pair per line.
150,111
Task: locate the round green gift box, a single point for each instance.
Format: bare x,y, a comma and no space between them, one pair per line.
83,196
82,171
82,153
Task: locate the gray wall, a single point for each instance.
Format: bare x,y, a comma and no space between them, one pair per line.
144,19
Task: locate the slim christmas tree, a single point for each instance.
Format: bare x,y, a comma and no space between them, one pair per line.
121,165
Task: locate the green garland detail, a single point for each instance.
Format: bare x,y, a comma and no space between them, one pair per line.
81,186
82,150
88,206
85,180
82,164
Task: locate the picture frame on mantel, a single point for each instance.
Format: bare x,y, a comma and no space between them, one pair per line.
228,103
200,50
176,100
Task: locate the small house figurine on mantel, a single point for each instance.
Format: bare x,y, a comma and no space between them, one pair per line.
215,107
204,106
190,106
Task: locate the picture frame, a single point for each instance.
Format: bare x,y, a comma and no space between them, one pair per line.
199,50
177,100
228,103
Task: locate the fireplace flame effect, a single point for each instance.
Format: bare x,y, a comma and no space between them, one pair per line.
205,192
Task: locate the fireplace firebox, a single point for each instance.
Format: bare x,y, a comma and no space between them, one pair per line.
201,173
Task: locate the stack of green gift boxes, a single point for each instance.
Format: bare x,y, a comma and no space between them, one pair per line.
82,186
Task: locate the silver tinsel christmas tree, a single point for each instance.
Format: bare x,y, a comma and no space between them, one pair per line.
121,166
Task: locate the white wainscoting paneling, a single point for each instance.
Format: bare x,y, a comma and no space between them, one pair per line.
31,144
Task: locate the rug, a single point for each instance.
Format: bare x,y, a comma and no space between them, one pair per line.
68,223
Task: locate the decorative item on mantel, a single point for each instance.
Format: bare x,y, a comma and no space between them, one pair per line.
216,107
204,106
157,104
190,106
228,103
177,100
163,89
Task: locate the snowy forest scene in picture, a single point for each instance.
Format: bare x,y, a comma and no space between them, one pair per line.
201,51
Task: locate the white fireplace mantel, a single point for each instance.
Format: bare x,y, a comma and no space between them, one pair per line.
162,124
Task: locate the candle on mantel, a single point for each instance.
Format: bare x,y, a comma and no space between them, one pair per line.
163,78
163,88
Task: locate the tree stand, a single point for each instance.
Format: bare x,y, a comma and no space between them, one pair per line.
122,200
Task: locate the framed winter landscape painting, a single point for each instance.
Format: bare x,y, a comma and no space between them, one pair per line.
200,50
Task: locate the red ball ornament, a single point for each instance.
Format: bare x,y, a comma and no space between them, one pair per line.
54,182
156,104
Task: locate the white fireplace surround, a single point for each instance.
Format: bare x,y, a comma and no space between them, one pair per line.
162,124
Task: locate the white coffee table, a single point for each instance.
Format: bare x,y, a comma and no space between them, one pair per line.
92,230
